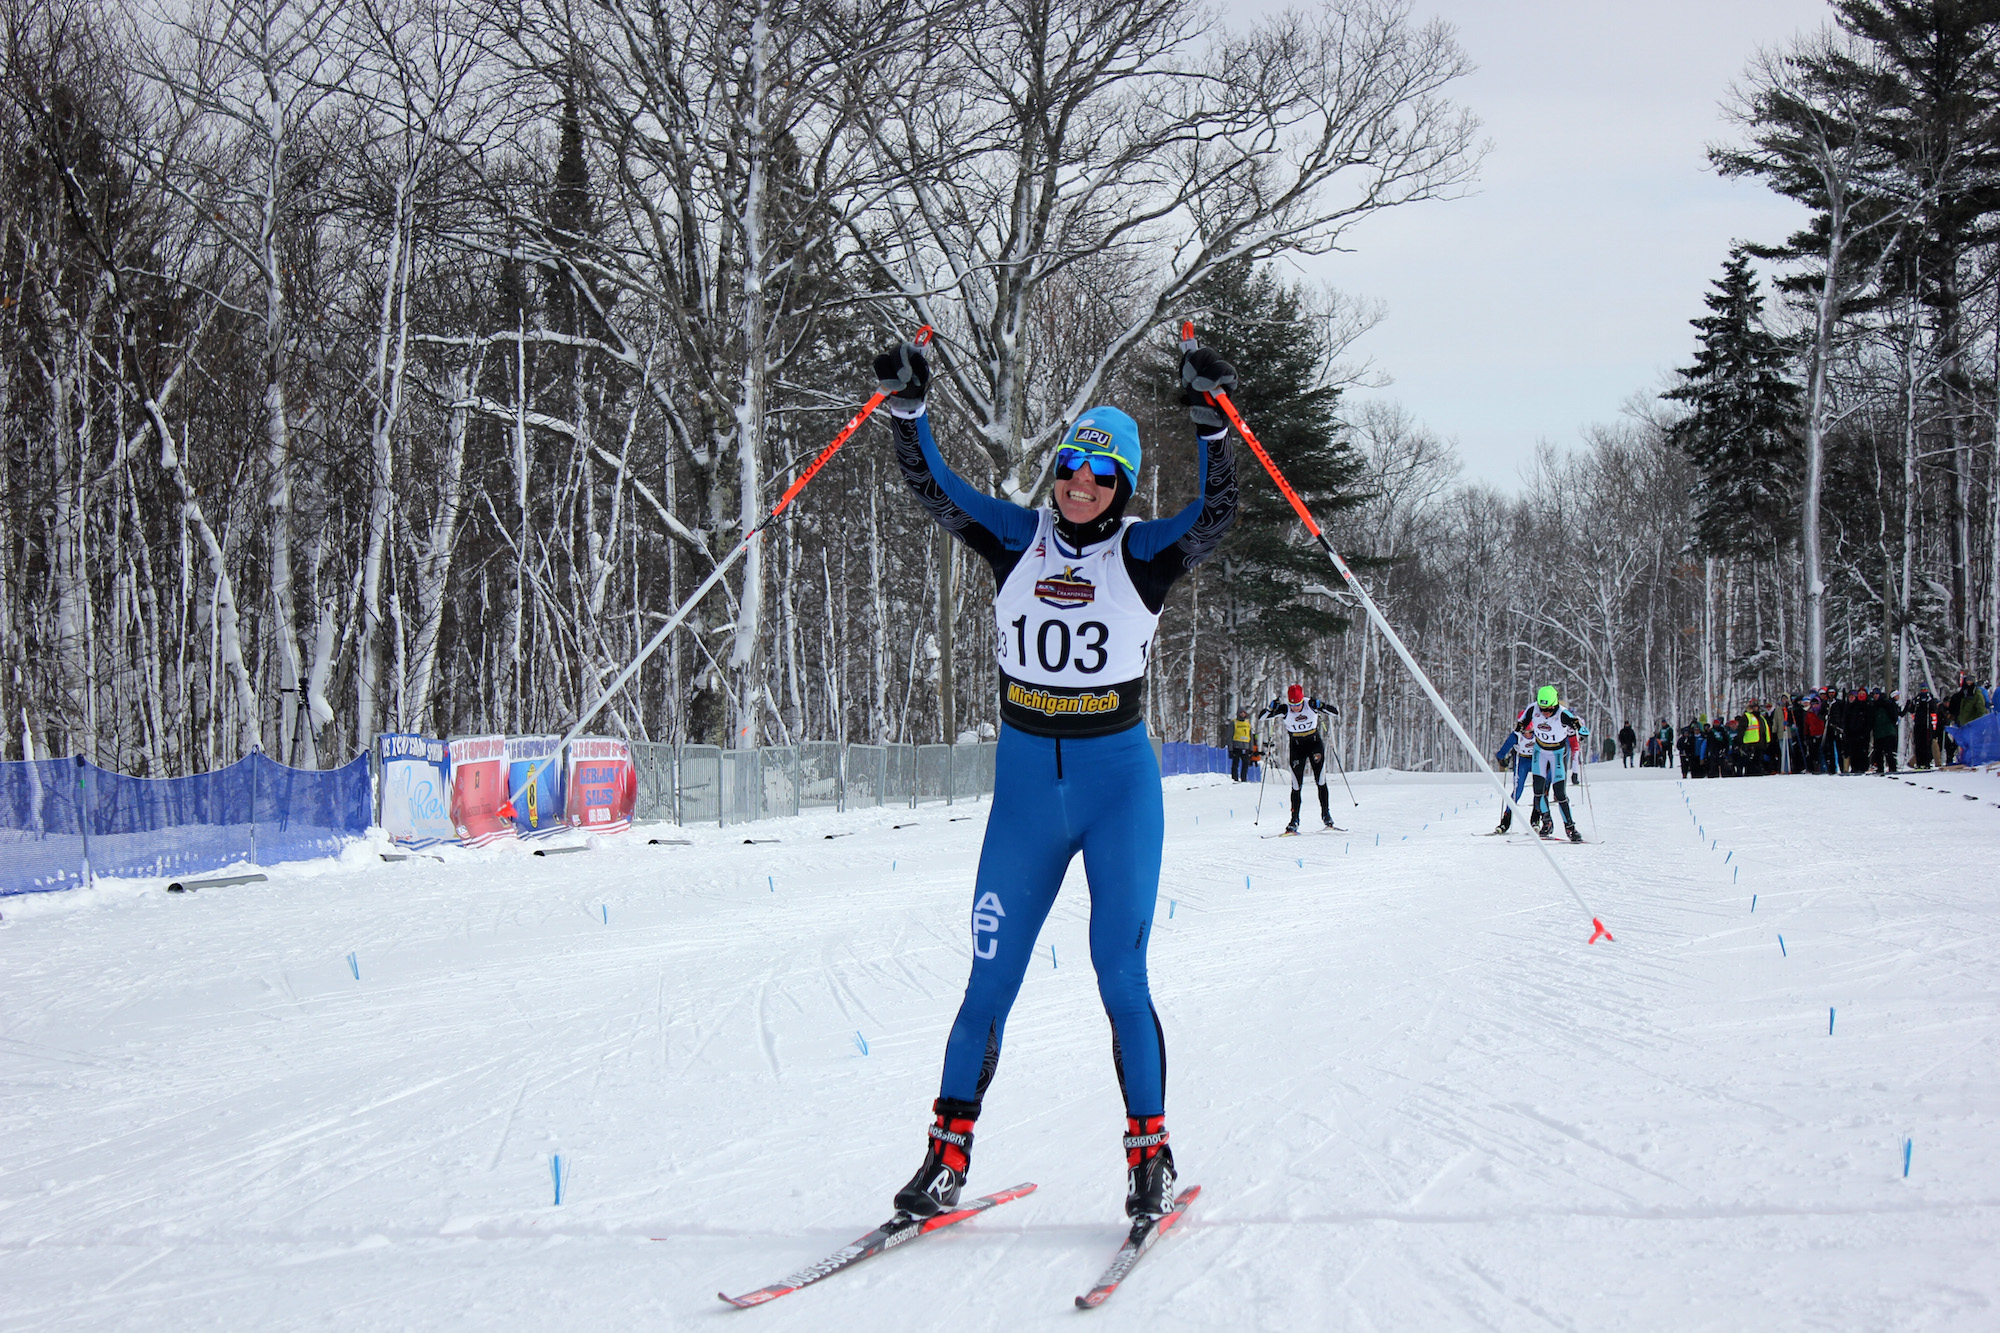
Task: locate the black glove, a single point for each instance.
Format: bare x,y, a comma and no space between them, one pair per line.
903,374
1203,372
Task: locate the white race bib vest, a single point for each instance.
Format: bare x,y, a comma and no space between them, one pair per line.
1302,719
1551,732
1073,637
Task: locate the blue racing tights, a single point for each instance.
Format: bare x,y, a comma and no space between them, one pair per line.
1052,799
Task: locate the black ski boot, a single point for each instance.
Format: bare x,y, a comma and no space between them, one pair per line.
934,1189
1149,1168
1327,820
1574,836
1506,821
1293,827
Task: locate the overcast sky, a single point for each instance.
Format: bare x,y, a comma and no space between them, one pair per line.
1565,283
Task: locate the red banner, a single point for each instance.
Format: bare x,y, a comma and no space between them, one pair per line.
478,788
603,786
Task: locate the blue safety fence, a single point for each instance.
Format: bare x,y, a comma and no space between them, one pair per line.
1978,741
65,820
1177,757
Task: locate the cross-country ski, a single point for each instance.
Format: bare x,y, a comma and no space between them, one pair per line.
1145,1233
898,1230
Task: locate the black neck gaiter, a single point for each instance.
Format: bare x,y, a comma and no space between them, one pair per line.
1080,535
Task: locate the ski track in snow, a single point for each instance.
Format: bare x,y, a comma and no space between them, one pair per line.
1415,1097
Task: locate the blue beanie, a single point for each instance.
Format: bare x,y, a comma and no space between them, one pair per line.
1106,430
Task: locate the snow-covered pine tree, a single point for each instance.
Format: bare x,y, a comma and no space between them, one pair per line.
1265,329
1741,431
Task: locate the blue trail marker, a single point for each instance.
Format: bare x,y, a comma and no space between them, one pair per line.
556,1174
861,1041
1782,950
1753,902
1726,859
1735,874
1246,881
606,909
354,966
1829,1020
1053,964
1302,863
1906,1159
1171,904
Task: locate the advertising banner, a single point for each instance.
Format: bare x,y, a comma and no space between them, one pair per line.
535,771
603,787
416,789
478,789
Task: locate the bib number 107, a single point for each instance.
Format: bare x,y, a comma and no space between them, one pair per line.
1054,646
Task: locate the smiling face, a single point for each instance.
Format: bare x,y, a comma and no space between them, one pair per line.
1083,495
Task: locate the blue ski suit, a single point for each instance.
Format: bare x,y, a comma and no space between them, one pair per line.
1524,761
1063,786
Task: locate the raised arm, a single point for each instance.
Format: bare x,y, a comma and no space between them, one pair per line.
996,530
1159,552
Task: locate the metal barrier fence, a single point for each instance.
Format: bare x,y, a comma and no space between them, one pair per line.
704,784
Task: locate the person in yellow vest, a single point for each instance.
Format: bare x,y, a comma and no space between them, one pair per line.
1241,740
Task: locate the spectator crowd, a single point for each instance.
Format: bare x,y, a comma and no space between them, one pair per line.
1827,730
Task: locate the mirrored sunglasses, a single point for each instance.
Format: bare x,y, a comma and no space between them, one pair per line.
1069,459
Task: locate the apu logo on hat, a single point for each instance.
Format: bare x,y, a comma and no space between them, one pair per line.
1092,435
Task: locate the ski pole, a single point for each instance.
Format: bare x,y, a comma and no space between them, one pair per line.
1263,778
1343,774
1221,400
741,548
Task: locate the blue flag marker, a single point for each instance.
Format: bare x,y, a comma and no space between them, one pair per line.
606,909
1726,859
354,966
1302,863
1171,905
556,1174
861,1041
1053,964
1906,1159
1753,902
1782,950
1829,1020
1735,874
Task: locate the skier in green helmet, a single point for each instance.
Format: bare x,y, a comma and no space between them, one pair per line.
1557,734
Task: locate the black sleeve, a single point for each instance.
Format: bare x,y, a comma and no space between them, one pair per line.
994,529
1159,552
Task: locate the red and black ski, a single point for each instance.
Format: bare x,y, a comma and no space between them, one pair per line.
890,1234
1144,1233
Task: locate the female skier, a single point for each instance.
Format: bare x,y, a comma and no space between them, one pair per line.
1077,596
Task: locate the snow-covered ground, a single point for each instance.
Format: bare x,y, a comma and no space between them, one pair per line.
1416,1097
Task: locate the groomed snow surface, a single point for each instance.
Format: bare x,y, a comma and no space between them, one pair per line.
1416,1097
